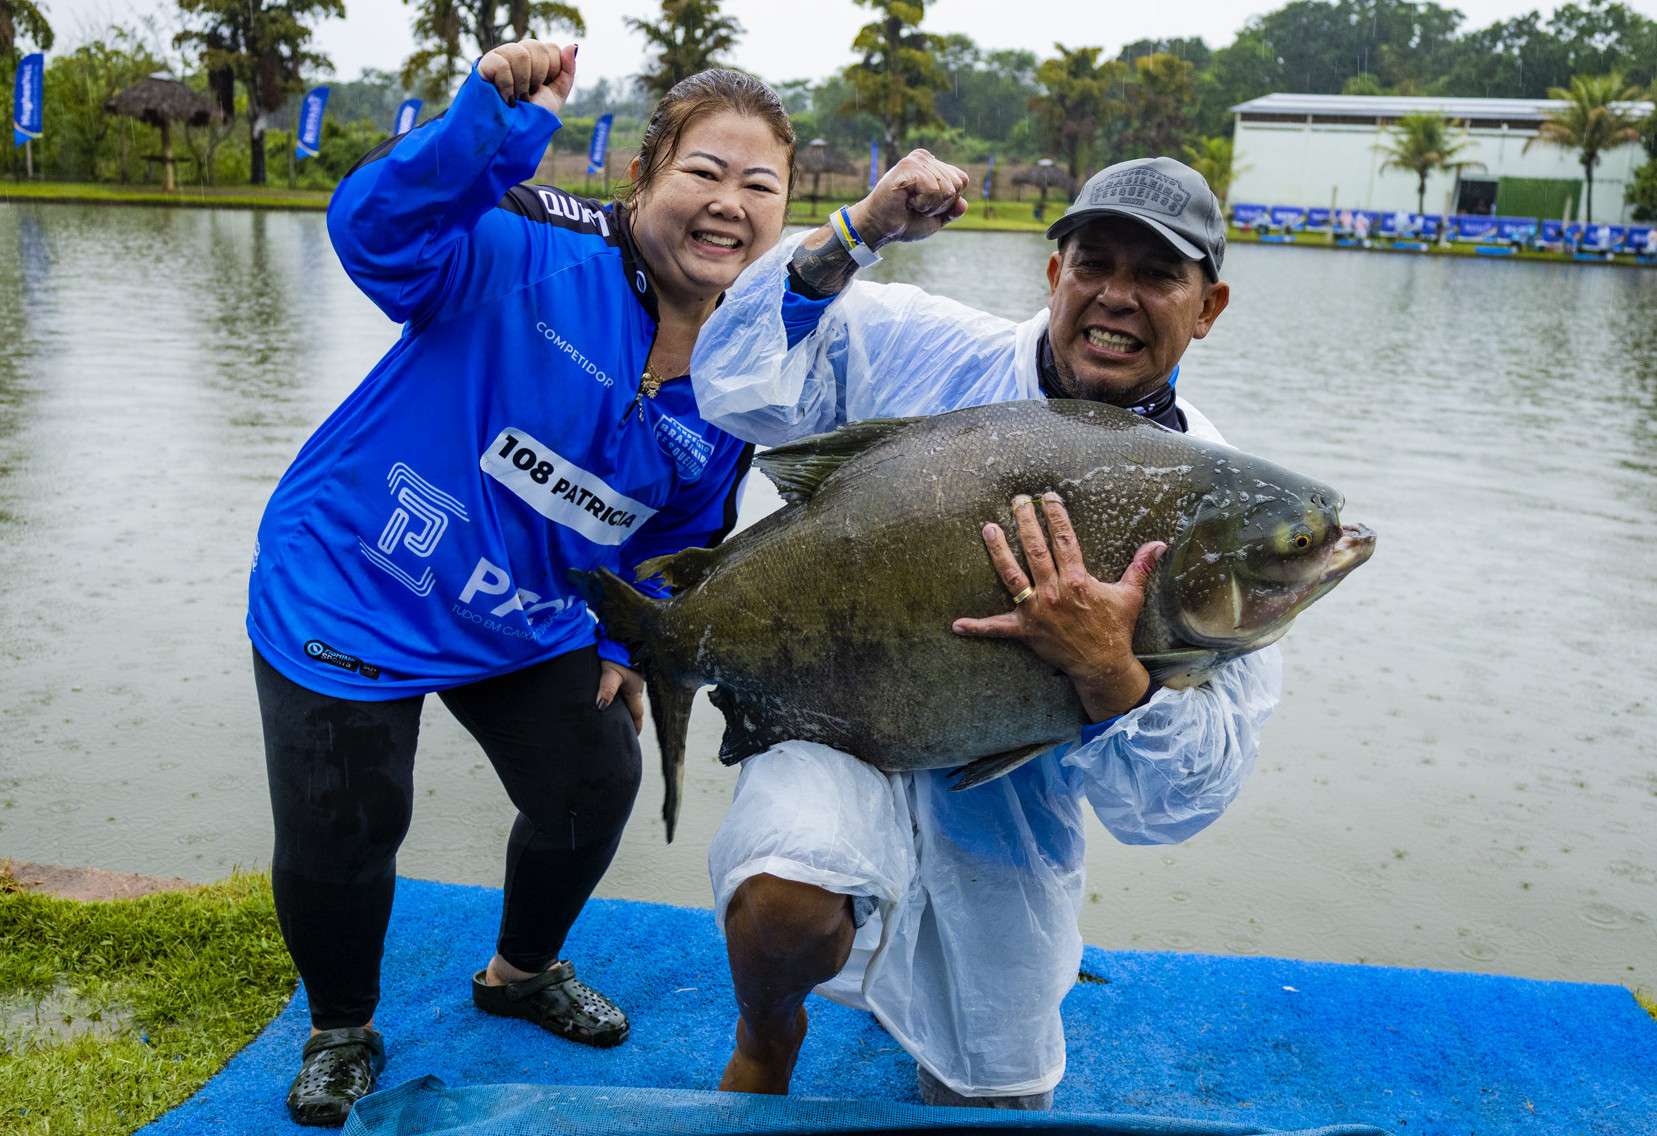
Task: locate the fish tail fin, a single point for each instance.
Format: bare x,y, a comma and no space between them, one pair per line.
633,619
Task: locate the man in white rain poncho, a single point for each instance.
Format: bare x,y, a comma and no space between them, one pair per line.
953,916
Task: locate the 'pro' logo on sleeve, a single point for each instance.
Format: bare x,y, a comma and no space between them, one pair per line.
562,491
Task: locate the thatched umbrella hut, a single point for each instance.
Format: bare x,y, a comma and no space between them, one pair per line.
818,158
1045,175
162,101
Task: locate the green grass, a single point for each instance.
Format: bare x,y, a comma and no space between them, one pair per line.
196,973
1010,216
103,193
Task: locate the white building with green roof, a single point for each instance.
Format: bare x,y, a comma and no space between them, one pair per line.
1327,150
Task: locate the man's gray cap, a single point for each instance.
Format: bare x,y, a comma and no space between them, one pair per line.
1166,196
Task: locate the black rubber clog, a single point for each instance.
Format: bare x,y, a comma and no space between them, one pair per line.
555,1001
339,1068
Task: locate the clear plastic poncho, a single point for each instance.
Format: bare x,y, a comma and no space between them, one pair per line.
974,939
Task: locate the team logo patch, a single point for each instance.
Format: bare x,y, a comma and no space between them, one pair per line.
319,651
1143,189
689,450
562,491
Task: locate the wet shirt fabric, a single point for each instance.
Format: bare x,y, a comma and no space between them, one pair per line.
974,941
422,538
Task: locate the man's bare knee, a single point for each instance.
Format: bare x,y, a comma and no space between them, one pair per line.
782,917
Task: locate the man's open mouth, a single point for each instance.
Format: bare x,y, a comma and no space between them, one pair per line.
1113,340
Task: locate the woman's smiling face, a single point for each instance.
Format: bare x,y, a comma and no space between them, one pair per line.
715,206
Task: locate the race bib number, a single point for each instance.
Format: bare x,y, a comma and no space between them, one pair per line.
562,491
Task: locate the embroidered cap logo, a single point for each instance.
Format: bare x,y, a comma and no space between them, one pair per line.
1142,189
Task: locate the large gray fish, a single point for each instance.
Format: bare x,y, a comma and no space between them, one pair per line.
829,620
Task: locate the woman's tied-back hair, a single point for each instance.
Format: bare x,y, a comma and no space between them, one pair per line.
700,96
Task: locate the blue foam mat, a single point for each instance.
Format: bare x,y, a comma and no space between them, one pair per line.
1269,1043
428,1107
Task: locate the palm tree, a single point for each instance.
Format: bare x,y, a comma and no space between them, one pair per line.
1213,159
1589,123
1422,143
442,29
689,36
25,17
1077,103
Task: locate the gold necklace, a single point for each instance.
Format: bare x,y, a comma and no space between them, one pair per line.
650,383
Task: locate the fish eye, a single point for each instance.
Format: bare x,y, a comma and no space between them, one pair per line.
1302,541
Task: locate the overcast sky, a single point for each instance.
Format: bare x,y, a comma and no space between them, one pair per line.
788,39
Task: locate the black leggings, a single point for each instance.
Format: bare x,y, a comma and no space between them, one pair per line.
342,791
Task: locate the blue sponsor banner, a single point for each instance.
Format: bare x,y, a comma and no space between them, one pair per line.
1288,216
1319,218
1249,214
1604,237
1553,230
874,162
601,144
1431,223
407,115
309,141
1516,228
989,172
27,97
1475,228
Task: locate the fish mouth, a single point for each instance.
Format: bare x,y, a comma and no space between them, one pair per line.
1356,545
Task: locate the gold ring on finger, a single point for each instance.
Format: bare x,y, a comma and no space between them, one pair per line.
1024,595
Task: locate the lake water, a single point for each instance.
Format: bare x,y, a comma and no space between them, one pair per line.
1463,771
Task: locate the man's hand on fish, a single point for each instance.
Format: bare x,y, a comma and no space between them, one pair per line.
914,199
1072,619
543,73
615,678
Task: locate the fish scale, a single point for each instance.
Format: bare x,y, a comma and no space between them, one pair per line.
829,620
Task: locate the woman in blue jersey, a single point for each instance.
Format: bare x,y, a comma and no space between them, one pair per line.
527,423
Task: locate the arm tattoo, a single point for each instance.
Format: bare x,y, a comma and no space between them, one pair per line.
824,271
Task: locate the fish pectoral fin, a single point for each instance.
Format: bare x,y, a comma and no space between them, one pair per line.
799,468
989,768
679,569
1181,669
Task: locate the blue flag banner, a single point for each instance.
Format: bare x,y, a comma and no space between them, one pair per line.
874,162
26,99
1249,214
310,123
407,115
989,172
601,143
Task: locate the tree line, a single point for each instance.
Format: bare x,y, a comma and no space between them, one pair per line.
907,85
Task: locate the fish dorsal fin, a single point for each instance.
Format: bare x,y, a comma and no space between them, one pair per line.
679,569
798,468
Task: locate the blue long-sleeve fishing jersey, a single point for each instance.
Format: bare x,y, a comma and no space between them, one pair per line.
423,536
